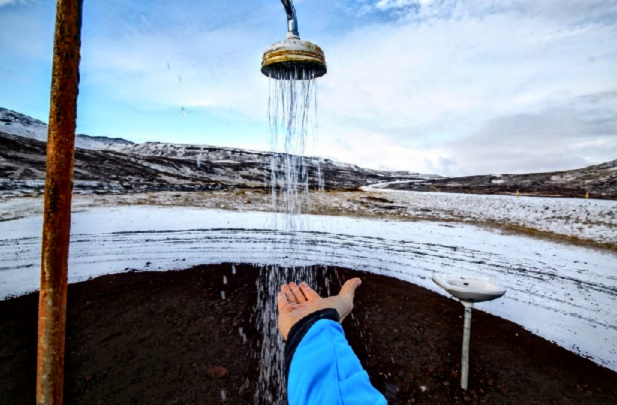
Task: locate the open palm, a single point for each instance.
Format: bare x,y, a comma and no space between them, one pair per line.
297,301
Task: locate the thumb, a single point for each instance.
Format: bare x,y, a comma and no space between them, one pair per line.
349,288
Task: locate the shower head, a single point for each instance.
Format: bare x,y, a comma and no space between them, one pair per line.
293,58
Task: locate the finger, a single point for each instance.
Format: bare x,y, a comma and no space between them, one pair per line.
308,292
295,290
287,291
349,288
282,301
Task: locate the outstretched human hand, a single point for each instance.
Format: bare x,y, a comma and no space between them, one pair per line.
297,301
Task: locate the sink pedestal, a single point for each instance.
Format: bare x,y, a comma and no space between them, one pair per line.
466,338
468,290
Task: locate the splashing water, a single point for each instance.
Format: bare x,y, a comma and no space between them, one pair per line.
292,116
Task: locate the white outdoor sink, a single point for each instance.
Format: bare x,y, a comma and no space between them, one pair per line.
469,289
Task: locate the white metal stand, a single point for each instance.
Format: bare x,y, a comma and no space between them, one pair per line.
468,290
466,337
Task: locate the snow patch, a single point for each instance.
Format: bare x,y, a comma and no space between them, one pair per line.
563,293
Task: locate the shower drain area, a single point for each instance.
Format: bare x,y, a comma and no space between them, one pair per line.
170,337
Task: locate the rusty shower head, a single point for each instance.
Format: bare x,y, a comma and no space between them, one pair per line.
293,57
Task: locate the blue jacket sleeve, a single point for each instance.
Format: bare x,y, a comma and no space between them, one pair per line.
322,367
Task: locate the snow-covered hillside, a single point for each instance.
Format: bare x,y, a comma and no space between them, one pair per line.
223,154
597,181
154,166
14,123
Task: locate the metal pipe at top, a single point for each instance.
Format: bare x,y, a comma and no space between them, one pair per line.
293,58
292,20
57,205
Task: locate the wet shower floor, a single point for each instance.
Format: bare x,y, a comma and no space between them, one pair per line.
169,337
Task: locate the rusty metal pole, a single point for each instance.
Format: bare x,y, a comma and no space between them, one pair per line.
57,209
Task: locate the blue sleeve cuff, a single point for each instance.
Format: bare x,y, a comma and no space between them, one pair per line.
299,330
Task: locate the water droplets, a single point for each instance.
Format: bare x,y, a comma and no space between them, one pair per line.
223,295
242,335
321,185
145,21
292,119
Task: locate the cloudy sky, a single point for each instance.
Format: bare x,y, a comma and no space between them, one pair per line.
454,87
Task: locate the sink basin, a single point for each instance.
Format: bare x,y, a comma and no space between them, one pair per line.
469,289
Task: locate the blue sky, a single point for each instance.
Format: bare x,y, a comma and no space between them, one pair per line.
452,87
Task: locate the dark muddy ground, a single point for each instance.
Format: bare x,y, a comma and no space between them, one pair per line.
167,338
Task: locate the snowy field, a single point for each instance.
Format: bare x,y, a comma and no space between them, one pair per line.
588,219
564,293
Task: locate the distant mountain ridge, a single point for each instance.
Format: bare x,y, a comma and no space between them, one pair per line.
115,165
106,165
597,181
14,123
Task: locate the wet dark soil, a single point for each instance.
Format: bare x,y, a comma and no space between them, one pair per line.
170,338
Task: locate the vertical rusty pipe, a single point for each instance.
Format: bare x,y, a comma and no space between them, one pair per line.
57,209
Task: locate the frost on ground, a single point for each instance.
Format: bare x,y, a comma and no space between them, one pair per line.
591,222
589,219
564,293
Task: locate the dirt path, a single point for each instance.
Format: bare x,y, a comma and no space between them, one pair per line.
158,338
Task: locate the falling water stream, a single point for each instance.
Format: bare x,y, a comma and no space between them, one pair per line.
292,115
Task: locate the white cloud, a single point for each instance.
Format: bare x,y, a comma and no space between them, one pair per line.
570,10
9,2
572,134
433,86
388,4
212,69
416,88
420,96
